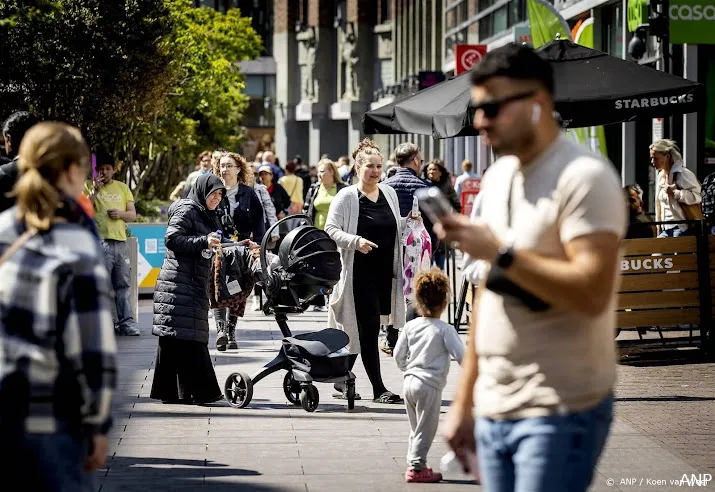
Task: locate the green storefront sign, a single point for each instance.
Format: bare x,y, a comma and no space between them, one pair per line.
637,13
692,21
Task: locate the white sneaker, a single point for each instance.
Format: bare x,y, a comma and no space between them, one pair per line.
256,306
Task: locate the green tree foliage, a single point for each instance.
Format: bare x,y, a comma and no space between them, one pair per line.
98,64
155,81
205,108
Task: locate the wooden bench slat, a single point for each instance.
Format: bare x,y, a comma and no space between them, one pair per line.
686,244
658,281
655,300
658,317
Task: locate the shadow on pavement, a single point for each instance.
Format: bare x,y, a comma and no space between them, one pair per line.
665,399
660,356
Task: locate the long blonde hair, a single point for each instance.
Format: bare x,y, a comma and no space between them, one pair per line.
47,151
333,168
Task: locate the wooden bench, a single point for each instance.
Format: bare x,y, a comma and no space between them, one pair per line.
659,284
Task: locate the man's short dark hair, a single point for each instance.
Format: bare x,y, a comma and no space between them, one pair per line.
104,157
16,126
514,61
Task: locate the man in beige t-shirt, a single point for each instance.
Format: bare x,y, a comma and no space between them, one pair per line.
550,219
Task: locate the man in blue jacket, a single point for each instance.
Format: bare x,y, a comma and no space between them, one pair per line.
406,182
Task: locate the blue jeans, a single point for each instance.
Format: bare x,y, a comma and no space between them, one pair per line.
676,232
555,454
116,255
47,462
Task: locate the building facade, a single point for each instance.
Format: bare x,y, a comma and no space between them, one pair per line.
260,74
338,58
496,22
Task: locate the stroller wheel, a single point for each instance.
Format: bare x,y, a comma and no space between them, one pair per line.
291,388
351,395
238,389
309,398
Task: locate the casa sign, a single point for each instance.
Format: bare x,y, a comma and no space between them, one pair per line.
692,21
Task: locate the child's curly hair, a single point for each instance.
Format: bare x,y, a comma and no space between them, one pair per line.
431,292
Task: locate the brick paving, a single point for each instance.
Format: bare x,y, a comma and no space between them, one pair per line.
663,428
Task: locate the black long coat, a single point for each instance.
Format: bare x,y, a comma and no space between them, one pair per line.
181,298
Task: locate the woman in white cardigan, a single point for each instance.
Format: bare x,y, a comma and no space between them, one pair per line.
677,188
365,218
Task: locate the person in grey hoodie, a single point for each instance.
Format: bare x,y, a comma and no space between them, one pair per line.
423,353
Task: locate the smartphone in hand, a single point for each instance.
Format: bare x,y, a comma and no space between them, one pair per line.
433,202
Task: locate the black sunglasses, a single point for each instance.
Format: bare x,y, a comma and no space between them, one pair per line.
492,108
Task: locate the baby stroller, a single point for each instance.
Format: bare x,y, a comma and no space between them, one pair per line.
308,266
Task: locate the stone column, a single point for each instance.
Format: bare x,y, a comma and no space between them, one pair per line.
291,135
316,46
356,49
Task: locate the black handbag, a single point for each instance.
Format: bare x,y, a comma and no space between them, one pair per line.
499,283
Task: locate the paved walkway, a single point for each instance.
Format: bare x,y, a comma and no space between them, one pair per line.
274,446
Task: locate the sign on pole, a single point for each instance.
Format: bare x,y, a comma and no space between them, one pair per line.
468,55
470,190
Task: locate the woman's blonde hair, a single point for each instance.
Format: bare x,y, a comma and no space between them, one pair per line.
47,151
333,168
669,147
364,150
245,172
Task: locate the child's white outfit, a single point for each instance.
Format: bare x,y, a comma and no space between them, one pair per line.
423,353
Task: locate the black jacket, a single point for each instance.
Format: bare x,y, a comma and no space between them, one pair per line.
9,172
248,220
308,207
280,198
181,297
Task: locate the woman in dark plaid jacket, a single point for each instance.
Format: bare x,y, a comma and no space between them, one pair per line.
57,346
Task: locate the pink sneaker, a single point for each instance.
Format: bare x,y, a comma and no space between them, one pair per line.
426,475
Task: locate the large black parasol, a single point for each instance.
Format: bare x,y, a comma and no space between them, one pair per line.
592,88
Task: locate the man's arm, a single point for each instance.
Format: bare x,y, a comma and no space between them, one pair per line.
591,221
583,282
459,426
130,214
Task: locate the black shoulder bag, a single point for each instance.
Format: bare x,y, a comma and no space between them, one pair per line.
499,283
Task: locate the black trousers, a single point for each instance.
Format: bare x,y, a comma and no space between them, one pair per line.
369,329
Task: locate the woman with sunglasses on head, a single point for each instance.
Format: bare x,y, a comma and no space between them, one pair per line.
678,195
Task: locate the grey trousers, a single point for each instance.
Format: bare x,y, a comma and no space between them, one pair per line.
423,404
116,256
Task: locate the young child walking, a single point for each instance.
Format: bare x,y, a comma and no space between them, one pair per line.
423,353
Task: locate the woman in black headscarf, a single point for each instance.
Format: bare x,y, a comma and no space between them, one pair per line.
184,373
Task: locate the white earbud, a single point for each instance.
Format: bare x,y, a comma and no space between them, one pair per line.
535,113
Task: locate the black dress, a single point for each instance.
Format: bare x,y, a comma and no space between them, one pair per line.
373,272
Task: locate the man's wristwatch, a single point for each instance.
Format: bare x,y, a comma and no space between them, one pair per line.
505,257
